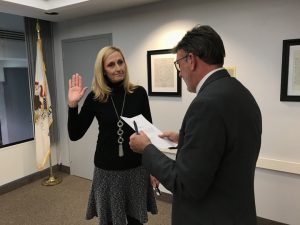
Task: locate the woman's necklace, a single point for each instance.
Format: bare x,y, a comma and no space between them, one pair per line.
120,124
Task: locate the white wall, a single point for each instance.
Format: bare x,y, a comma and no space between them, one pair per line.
17,161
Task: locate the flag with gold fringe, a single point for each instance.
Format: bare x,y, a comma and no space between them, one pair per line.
42,108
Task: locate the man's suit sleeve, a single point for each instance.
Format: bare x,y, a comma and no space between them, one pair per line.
159,165
203,144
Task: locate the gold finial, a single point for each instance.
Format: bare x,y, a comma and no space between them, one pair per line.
38,29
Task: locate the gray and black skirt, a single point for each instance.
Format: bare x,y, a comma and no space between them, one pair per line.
115,194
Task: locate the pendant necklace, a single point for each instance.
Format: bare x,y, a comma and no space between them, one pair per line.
120,124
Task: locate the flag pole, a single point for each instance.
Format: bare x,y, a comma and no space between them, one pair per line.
51,180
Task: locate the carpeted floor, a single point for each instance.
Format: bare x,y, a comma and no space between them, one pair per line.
64,204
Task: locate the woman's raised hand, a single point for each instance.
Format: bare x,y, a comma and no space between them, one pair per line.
76,90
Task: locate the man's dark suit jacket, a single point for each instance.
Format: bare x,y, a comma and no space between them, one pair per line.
212,179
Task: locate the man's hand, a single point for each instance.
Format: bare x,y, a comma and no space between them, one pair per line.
154,182
172,136
138,142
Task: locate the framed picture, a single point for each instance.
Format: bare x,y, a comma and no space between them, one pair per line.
290,71
231,70
163,79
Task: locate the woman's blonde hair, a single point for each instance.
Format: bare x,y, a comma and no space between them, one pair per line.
99,85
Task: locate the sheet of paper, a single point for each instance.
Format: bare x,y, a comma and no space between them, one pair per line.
150,130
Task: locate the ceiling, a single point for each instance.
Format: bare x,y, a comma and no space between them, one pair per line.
66,9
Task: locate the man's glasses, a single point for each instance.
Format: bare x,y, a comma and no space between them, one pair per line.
177,64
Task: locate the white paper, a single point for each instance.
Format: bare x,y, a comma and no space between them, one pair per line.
150,130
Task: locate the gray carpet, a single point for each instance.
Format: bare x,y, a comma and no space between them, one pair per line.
65,204
62,204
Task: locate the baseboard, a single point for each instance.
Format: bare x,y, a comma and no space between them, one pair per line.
31,178
64,169
263,221
166,197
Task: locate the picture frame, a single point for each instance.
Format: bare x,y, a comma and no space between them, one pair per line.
290,71
163,79
231,70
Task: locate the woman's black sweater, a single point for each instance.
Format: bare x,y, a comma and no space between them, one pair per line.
106,154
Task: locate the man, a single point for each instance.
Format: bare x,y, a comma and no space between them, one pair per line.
212,178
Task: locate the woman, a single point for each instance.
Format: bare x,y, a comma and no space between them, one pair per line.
121,189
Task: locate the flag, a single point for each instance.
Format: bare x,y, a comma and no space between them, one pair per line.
42,109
